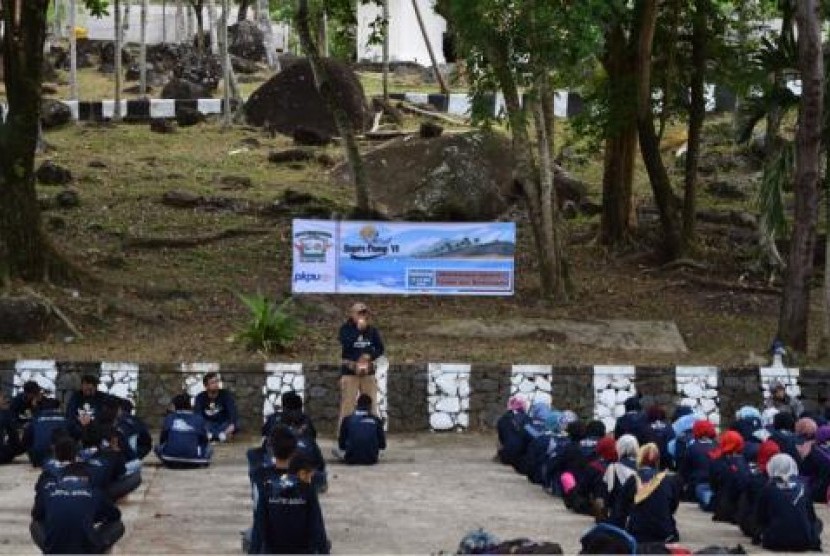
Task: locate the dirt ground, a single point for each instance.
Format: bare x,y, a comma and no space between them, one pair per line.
428,491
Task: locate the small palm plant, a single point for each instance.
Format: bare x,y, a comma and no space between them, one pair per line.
271,328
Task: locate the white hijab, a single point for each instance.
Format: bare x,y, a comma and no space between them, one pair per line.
782,466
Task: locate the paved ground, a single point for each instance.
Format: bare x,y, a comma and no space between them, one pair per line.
426,494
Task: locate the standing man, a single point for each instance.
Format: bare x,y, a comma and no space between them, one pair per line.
218,408
361,346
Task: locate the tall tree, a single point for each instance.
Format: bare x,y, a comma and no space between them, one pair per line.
341,119
25,251
795,303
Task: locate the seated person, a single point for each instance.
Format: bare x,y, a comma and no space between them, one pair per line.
70,516
26,403
134,437
783,434
786,517
102,452
633,421
748,424
604,538
529,462
649,501
308,448
816,465
65,452
10,444
660,432
747,514
728,476
510,426
617,475
282,447
288,516
543,440
184,437
218,408
37,438
593,486
291,403
695,466
361,435
85,405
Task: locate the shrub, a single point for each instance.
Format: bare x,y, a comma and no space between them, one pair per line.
271,328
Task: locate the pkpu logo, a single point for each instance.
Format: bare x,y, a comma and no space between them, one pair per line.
312,246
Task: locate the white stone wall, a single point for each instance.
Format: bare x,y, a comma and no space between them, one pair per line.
42,371
786,376
120,379
612,386
448,396
697,387
282,378
193,375
382,378
533,382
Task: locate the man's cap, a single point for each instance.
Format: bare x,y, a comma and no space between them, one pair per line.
359,308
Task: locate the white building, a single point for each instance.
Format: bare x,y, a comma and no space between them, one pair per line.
406,43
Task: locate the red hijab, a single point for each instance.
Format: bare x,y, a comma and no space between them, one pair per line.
767,449
731,442
607,449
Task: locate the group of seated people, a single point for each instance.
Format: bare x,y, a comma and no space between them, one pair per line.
763,473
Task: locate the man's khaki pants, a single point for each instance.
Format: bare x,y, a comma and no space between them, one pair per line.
350,387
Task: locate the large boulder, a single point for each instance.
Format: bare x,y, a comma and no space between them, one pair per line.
290,99
50,173
54,113
201,68
183,90
22,319
247,41
108,58
465,177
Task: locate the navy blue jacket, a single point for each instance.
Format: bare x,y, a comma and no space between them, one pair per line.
536,456
9,437
355,343
69,508
557,448
695,466
652,520
661,433
787,441
90,405
362,438
220,410
304,428
184,438
37,438
136,441
512,437
288,516
786,517
22,410
728,476
633,423
747,427
104,467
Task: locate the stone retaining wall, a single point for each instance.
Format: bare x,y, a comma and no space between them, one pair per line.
430,396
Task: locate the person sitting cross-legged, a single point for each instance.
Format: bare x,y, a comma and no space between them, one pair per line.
184,437
218,408
361,435
39,435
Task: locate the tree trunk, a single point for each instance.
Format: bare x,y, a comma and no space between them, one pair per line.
242,14
73,52
323,33
620,141
263,17
119,33
341,119
142,60
23,252
386,51
226,65
440,78
200,25
697,114
213,26
649,144
181,25
824,343
795,303
164,21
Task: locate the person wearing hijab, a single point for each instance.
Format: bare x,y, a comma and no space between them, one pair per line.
682,424
593,486
805,436
748,424
649,500
728,476
816,465
633,421
617,474
537,438
660,432
510,427
786,517
746,515
695,466
783,434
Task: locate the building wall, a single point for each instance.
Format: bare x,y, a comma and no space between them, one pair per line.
406,43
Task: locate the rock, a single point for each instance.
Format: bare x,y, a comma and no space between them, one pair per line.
310,137
199,68
390,112
243,66
183,90
441,422
569,210
96,164
54,113
447,385
448,405
50,173
133,73
608,398
187,116
235,182
160,125
181,199
692,391
247,41
68,198
22,319
290,99
291,155
429,130
725,190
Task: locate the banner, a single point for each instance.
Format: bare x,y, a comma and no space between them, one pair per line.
403,257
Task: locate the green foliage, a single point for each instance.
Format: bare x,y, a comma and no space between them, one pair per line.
271,328
777,179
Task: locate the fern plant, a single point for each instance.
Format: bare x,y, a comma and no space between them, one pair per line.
271,328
